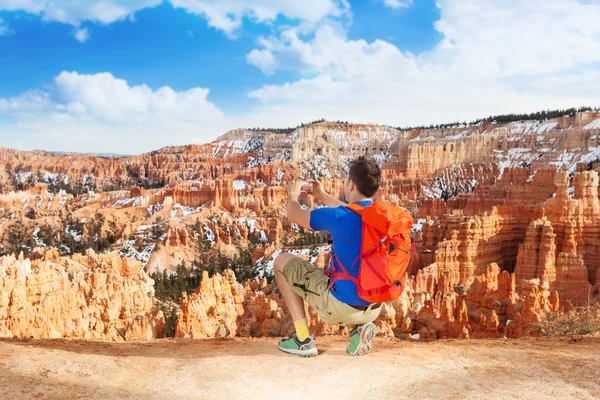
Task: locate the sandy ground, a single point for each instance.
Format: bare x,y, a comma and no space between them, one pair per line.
254,369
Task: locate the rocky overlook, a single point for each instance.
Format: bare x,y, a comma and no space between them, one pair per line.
507,220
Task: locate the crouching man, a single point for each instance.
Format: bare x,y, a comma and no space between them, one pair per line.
300,281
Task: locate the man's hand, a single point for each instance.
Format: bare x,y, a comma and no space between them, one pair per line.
294,190
318,190
321,196
296,213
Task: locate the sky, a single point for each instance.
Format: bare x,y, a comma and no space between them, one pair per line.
131,76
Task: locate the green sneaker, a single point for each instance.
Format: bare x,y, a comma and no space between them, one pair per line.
360,339
293,345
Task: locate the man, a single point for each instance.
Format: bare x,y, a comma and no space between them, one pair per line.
300,281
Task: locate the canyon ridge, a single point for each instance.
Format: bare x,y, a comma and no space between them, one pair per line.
180,242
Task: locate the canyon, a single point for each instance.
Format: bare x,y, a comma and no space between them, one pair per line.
506,226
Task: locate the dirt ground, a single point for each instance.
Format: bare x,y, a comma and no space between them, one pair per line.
254,369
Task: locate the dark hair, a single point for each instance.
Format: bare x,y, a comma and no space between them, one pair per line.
366,174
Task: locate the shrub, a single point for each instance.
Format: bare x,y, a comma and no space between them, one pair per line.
578,321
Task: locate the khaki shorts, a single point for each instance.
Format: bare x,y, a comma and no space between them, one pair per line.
312,285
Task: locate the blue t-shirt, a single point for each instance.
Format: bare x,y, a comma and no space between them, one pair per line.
345,228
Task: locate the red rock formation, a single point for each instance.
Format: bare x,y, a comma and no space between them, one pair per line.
536,303
572,280
213,309
274,229
176,237
99,297
576,221
516,236
221,307
516,187
488,306
537,255
220,194
339,142
423,159
464,246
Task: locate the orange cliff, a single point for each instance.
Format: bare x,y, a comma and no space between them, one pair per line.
95,297
515,187
464,246
577,219
557,241
490,305
36,199
537,255
222,194
423,159
323,149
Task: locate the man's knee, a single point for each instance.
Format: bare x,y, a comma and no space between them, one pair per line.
281,260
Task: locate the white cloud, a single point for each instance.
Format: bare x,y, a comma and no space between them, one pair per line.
104,97
227,15
586,83
73,12
491,53
82,35
396,4
224,15
500,38
4,29
27,104
263,59
102,113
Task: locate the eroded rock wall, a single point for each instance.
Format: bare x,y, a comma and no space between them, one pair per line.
95,297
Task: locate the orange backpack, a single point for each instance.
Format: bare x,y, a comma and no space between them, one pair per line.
384,255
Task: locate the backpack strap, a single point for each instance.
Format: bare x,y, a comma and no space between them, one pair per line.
342,272
356,207
414,249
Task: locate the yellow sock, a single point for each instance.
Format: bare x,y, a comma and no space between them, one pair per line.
301,329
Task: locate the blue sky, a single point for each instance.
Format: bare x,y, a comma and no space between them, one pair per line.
85,75
164,46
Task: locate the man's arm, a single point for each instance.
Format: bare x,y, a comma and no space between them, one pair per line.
325,198
296,213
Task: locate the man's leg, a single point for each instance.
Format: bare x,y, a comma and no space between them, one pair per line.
363,333
361,337
294,302
301,343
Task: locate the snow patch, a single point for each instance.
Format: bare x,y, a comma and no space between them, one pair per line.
155,208
38,241
595,124
128,250
547,126
210,235
381,157
418,225
239,184
185,209
74,234
458,136
338,137
265,267
280,174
